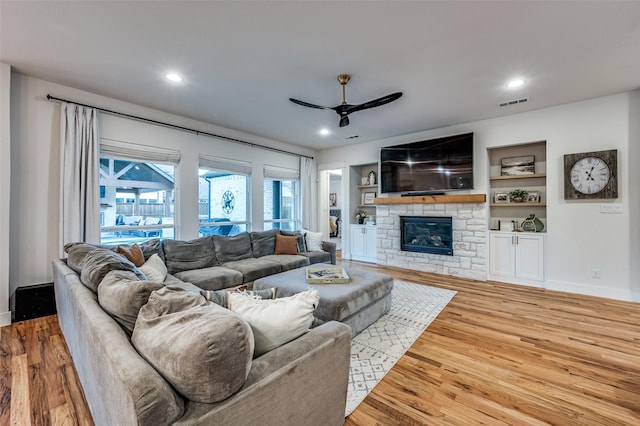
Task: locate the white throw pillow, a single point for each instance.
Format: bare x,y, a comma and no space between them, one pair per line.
277,321
154,269
314,241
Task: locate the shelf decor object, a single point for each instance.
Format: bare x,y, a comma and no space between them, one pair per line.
589,175
518,166
327,276
519,195
532,224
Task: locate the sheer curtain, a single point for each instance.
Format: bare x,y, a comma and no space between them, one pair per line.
308,193
79,197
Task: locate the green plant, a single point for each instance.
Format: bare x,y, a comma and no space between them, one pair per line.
361,214
519,193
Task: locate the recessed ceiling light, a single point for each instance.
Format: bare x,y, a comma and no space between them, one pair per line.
516,82
172,76
324,131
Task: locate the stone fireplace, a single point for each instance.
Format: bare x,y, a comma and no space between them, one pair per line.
426,234
469,238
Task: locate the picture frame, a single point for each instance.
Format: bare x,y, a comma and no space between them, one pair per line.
333,199
518,166
501,197
369,197
364,180
533,197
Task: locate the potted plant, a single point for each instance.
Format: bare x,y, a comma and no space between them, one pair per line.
518,195
361,216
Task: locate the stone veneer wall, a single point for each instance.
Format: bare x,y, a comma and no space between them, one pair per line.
470,244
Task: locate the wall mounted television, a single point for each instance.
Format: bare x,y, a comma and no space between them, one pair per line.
433,166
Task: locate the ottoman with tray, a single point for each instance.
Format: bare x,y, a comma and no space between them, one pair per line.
357,303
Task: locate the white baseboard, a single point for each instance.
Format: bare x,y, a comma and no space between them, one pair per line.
5,318
589,290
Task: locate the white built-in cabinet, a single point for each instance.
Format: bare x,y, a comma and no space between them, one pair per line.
363,243
517,257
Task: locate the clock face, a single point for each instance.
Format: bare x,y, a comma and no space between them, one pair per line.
590,175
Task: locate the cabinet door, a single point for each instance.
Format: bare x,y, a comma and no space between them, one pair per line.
357,240
530,257
370,237
502,260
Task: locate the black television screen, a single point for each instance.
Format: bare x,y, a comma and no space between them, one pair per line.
431,166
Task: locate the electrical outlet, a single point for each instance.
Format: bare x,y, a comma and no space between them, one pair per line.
595,273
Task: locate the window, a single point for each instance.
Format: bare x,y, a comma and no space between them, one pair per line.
281,199
137,202
224,195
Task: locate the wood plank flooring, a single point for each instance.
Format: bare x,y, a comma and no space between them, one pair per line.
498,354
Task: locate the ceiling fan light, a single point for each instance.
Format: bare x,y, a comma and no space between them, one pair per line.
324,131
172,76
516,82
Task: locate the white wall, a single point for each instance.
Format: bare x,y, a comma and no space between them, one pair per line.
35,170
579,237
5,191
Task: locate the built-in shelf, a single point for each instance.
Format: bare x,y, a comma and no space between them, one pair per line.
537,175
434,199
364,206
541,204
368,186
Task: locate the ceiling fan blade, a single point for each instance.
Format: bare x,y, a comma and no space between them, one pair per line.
344,121
376,102
307,104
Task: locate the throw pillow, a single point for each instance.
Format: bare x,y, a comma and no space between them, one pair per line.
278,321
314,240
202,349
100,262
133,253
121,294
220,297
286,245
154,269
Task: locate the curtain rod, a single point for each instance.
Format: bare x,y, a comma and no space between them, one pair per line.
174,126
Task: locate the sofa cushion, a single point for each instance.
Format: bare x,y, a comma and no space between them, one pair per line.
288,261
278,321
131,252
317,256
263,243
202,349
121,294
236,247
213,278
301,244
313,240
154,269
220,297
254,268
285,245
186,255
100,262
151,247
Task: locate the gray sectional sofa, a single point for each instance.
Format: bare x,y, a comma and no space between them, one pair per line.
301,382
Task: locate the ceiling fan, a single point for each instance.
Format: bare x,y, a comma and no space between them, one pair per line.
344,109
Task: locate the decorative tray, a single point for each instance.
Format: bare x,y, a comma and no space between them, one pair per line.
327,276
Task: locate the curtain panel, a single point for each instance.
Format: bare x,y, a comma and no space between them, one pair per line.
308,193
79,196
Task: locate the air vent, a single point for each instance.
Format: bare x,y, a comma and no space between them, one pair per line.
513,102
352,137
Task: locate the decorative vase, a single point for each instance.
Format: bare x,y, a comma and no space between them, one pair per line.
360,220
532,224
517,200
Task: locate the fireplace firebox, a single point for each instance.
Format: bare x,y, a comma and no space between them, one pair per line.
426,234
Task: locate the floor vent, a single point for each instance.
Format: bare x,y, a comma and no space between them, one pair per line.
513,102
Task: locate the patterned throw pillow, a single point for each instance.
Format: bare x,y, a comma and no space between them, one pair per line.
286,245
221,297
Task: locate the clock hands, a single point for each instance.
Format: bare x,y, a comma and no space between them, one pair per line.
589,173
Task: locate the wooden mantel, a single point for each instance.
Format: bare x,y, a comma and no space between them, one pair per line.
433,199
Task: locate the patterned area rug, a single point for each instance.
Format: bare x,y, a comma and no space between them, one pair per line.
377,348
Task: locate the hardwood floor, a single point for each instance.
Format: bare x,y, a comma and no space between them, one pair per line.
497,354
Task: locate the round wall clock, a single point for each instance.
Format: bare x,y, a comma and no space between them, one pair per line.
591,175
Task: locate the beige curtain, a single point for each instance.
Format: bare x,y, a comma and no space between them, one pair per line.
308,193
79,196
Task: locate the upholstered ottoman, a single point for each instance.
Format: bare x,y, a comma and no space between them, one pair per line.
359,303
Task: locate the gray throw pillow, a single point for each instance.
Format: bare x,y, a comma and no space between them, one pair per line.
121,294
302,247
77,252
187,255
221,297
202,349
236,247
263,243
100,262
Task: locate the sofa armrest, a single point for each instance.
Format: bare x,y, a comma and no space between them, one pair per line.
303,382
330,247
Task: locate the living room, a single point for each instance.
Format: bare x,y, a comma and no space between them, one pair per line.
581,235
